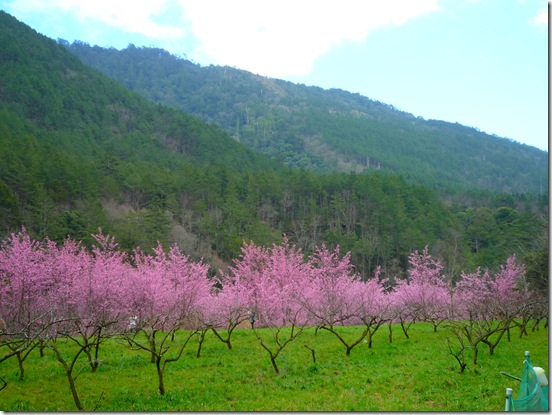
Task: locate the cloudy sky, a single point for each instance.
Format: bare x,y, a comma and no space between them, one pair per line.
481,63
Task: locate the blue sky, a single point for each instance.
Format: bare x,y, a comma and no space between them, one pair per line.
481,63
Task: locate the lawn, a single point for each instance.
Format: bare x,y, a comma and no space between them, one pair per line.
415,374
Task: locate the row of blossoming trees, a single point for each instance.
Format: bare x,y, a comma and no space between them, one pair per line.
51,294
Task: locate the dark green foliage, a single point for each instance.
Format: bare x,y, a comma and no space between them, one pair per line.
71,137
10,211
325,130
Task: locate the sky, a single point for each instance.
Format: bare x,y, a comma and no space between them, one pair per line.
481,63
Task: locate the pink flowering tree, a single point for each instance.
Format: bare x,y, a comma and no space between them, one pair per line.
517,300
336,296
273,278
395,311
374,308
331,296
85,292
486,305
227,308
425,295
48,294
165,300
26,312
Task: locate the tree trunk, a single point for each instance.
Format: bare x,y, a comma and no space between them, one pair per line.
21,368
151,341
69,372
227,340
3,384
475,355
89,358
523,329
274,365
312,352
73,388
405,330
201,338
160,376
96,361
390,334
492,346
21,356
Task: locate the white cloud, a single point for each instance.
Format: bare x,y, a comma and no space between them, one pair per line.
270,37
135,16
541,18
285,37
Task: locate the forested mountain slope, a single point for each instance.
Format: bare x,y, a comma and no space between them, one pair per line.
325,130
80,151
71,136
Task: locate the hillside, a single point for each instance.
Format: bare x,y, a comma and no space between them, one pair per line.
325,130
80,151
73,139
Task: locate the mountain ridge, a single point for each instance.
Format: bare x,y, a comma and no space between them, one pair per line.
324,130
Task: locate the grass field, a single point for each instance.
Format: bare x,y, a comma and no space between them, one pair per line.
416,374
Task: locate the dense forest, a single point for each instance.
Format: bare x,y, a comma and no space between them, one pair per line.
80,152
324,130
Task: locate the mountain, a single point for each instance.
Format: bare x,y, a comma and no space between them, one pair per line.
324,130
73,139
47,85
79,151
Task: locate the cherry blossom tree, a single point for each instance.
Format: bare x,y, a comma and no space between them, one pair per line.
425,295
374,306
227,308
331,295
45,298
68,266
165,296
336,296
487,304
26,312
84,290
273,277
87,286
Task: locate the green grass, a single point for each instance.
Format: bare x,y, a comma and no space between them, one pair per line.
416,374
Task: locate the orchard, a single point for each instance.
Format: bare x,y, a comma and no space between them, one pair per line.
156,303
